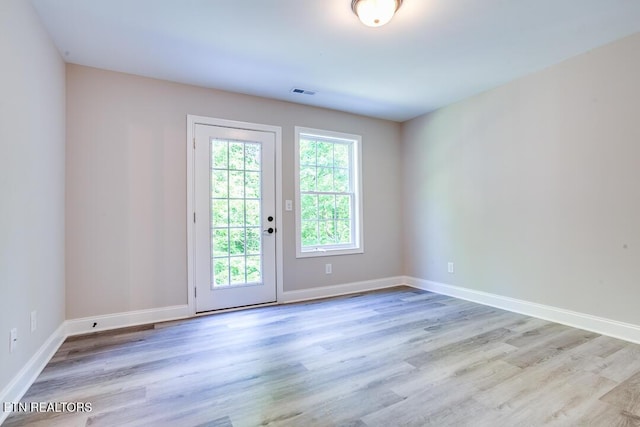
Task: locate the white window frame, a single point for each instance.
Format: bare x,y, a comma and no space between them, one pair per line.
357,246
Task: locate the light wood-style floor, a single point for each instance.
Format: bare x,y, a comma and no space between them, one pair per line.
399,357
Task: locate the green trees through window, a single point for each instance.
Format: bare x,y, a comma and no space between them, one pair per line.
235,212
324,186
327,197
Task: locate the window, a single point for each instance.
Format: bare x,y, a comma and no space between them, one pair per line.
328,193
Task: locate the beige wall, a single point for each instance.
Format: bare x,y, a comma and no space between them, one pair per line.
532,189
126,189
32,141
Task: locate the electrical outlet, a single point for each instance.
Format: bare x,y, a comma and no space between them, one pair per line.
288,205
13,336
327,268
34,320
450,267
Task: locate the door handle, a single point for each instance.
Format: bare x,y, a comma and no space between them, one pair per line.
269,230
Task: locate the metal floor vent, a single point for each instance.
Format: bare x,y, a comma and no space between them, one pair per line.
303,91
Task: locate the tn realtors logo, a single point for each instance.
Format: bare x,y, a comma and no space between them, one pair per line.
47,407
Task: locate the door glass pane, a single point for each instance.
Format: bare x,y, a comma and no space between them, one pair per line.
236,256
252,213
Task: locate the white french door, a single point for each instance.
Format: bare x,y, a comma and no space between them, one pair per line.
234,233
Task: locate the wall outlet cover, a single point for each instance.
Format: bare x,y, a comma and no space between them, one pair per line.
34,320
13,336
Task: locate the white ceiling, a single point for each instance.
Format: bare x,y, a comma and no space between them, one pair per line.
433,53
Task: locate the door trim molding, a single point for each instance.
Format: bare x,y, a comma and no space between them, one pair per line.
192,121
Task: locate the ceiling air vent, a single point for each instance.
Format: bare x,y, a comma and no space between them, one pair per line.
302,91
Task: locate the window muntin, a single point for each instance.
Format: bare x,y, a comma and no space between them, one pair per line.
327,193
236,239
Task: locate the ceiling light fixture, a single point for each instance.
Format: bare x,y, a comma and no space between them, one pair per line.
375,13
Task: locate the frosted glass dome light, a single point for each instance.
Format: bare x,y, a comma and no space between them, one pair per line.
375,13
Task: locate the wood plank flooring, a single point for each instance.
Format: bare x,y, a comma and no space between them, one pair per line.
398,357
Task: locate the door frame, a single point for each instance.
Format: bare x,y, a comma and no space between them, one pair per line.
192,121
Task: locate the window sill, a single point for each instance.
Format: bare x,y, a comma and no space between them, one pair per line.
328,252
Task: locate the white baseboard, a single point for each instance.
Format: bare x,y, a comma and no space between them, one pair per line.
14,391
600,325
337,290
21,382
27,375
129,318
19,385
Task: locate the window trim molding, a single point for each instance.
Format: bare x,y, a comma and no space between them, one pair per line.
355,173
